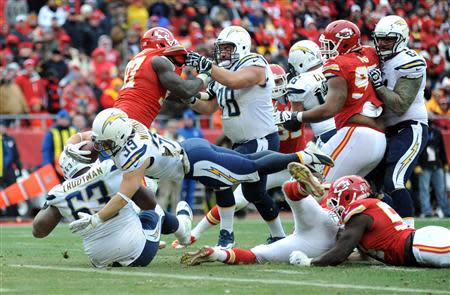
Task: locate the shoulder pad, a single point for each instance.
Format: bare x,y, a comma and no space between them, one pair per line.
251,59
352,210
411,64
132,161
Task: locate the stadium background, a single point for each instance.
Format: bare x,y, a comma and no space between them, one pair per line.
70,55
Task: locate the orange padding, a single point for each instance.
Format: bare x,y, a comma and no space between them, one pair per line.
36,184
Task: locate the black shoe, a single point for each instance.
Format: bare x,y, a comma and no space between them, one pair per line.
226,239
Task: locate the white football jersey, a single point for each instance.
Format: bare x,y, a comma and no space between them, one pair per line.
410,65
119,239
310,88
246,113
164,154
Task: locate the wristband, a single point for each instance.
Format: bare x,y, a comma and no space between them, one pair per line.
204,77
299,116
96,220
124,197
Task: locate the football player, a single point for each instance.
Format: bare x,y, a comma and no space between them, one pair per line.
307,89
378,231
242,87
127,239
138,153
315,228
151,73
400,83
352,100
290,142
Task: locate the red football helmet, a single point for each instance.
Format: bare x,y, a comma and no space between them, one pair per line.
280,77
339,37
162,39
345,191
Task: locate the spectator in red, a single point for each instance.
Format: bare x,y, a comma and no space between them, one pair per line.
31,83
101,69
37,108
21,28
111,93
435,63
112,55
78,97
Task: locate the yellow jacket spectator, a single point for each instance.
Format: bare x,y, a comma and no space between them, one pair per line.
137,13
56,138
438,104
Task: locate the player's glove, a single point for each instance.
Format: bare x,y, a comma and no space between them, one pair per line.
376,78
282,117
199,62
86,222
73,151
192,59
299,258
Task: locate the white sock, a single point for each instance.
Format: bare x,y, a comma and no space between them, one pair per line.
219,254
201,227
276,228
409,221
181,231
226,218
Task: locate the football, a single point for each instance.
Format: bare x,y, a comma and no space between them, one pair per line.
89,146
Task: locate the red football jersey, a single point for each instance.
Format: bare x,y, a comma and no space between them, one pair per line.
142,94
290,142
386,238
354,68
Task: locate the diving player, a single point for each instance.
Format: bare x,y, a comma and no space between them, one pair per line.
127,239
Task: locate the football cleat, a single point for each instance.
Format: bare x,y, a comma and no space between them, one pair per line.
271,239
184,216
318,157
226,239
176,243
204,254
308,182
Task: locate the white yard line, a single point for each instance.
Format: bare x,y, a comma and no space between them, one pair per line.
394,268
230,279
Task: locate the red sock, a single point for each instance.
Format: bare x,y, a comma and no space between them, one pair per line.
291,190
213,216
240,256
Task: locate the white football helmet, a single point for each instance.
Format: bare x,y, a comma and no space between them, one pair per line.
110,130
69,166
303,56
391,26
239,38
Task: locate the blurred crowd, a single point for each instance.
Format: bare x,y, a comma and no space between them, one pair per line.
67,57
71,53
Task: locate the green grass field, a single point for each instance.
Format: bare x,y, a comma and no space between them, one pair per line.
38,266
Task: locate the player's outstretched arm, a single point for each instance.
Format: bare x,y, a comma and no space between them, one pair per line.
45,221
334,101
400,99
131,182
173,82
246,77
346,243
